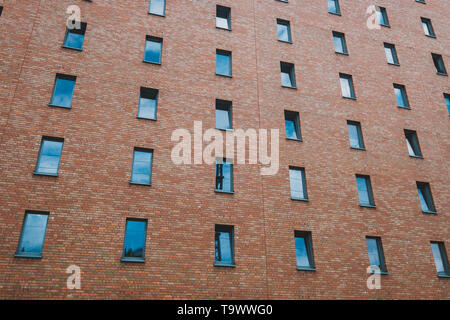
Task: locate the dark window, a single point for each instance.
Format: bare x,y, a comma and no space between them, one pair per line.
439,64
63,91
412,142
223,63
287,75
75,36
355,134
339,42
400,94
364,191
148,102
49,156
440,258
157,7
292,123
303,250
223,17
421,1
382,16
284,30
447,101
427,27
224,175
347,88
134,240
425,197
224,245
224,115
153,49
391,53
1,10
333,7
33,234
297,180
141,172
376,256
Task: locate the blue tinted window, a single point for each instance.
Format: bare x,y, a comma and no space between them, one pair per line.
75,37
224,176
223,115
287,75
223,63
347,85
447,102
400,94
284,30
355,135
297,183
374,253
339,42
292,124
440,258
148,101
333,6
425,197
223,243
382,16
33,234
303,250
157,7
153,47
63,91
364,191
134,242
49,156
142,166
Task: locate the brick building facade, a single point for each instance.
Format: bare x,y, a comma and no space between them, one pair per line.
90,199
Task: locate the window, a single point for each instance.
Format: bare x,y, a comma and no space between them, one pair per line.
297,181
223,115
333,7
153,48
134,240
425,197
364,191
287,75
63,91
376,256
223,17
224,176
339,43
440,259
413,143
303,250
33,234
382,16
223,63
420,1
400,94
141,172
347,86
157,7
355,135
148,102
427,27
224,246
49,156
391,53
75,37
439,64
447,101
1,10
292,124
284,30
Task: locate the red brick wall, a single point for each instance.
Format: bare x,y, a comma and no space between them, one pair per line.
91,198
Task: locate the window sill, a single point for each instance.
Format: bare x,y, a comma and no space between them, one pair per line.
293,139
72,48
385,25
284,41
335,13
300,199
224,75
306,269
383,273
45,174
151,62
138,260
158,15
227,29
370,206
152,119
342,53
430,36
56,106
416,157
140,184
394,64
429,212
225,192
349,98
443,275
223,129
407,108
442,74
295,88
224,264
357,148
28,255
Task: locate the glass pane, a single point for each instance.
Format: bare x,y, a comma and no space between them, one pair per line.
33,233
422,197
223,65
286,79
354,136
332,7
301,252
426,29
227,183
222,23
157,7
437,257
222,119
134,239
345,87
363,191
296,184
381,16
338,44
74,40
283,32
291,130
389,55
141,167
400,98
49,156
63,92
372,248
447,102
153,51
147,108
410,148
223,247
